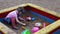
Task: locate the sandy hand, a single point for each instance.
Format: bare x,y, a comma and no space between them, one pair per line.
22,23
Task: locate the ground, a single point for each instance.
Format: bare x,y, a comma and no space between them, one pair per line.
49,4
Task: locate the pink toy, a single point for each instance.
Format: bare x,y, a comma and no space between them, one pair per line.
28,18
35,29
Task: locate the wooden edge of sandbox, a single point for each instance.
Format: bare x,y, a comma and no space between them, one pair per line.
44,9
32,5
5,29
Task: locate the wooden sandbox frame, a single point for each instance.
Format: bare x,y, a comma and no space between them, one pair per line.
45,30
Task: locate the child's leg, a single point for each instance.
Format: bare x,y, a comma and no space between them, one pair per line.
2,20
7,20
13,23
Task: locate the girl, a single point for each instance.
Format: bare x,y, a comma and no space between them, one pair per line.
13,17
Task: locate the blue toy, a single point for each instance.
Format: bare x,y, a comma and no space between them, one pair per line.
33,19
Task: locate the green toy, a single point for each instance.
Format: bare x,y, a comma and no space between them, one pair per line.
26,31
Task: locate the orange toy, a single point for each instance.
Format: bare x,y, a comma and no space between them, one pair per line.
23,28
44,24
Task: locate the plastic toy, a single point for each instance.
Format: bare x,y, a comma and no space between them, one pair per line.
44,24
35,29
28,18
26,31
38,24
33,18
23,28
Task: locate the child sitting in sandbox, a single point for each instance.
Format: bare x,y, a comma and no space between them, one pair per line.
13,17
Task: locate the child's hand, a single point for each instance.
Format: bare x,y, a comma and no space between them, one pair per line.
24,24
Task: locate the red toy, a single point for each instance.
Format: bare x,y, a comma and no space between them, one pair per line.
44,24
23,28
28,18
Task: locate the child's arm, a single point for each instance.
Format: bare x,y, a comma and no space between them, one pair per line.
21,18
20,22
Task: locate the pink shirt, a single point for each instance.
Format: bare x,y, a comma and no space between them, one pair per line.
12,14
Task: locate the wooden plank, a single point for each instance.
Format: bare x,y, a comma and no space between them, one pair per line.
44,9
5,29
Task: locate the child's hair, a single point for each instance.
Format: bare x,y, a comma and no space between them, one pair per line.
20,9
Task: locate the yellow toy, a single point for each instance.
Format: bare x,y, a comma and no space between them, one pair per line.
23,28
